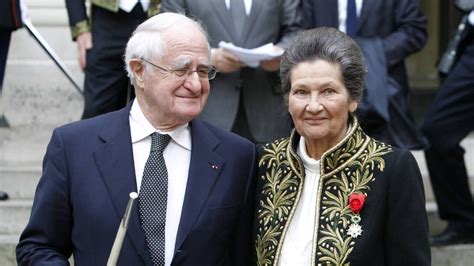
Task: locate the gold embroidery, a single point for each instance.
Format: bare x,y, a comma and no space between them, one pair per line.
280,190
334,244
80,27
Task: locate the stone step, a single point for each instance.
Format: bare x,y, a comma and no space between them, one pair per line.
436,224
7,249
457,255
23,147
44,97
14,215
19,181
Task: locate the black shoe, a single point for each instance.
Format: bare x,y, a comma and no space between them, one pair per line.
3,121
452,236
3,195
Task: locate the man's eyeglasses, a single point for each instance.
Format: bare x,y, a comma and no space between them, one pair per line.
203,71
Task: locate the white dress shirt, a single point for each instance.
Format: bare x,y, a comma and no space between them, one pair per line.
247,4
342,9
297,245
177,157
128,5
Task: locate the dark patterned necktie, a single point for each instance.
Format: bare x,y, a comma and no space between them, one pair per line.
237,10
351,19
153,198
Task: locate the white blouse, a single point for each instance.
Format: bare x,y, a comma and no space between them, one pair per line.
297,244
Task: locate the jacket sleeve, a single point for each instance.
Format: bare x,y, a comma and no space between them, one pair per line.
244,243
46,239
409,34
406,230
291,22
78,20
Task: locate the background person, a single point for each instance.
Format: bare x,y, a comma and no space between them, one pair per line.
197,210
449,120
329,193
101,41
388,32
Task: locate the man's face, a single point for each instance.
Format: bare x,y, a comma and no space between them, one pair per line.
170,100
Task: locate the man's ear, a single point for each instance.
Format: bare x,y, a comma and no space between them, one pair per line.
138,70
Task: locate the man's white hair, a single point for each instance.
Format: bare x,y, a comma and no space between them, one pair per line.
146,42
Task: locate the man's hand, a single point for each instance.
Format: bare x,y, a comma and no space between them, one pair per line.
272,64
225,62
84,43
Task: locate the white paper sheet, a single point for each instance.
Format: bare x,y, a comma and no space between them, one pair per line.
252,57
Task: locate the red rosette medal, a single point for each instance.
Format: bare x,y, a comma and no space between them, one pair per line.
356,202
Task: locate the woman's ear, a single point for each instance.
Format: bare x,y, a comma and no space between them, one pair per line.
352,106
138,70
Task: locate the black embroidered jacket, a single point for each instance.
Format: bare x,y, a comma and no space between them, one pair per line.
393,218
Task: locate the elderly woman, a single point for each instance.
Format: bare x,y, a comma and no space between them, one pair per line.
330,194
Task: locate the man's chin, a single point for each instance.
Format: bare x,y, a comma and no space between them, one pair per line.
189,115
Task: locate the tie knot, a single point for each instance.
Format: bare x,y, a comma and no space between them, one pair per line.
159,142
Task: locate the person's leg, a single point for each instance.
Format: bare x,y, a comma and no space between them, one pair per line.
449,120
4,45
106,82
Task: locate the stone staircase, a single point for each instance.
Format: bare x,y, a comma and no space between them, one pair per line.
37,98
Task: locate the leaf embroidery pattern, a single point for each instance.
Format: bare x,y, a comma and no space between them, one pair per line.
278,197
334,244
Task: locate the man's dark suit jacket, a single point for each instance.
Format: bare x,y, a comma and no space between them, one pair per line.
401,27
88,173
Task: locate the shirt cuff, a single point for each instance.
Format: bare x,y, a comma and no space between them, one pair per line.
471,17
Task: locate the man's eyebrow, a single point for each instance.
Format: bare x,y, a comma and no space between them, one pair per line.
186,63
182,63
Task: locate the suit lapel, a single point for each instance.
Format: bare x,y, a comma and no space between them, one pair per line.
204,169
223,14
114,159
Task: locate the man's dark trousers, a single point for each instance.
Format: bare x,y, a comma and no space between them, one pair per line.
451,119
106,83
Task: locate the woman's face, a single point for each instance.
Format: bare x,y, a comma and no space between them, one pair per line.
319,103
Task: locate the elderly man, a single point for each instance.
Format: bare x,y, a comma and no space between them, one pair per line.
195,200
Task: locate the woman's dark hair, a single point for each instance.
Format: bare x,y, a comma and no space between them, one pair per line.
330,45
